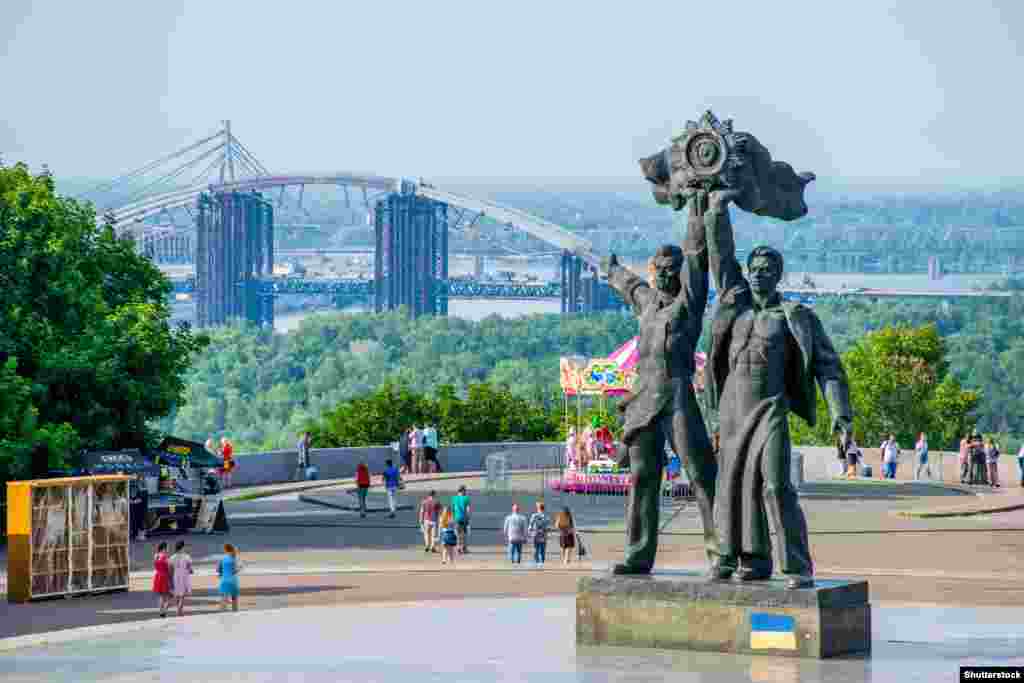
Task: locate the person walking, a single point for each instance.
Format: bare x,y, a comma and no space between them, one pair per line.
181,570
992,461
538,532
362,485
228,569
515,528
1020,463
428,522
566,534
162,577
964,459
227,452
461,509
890,456
449,539
921,448
391,481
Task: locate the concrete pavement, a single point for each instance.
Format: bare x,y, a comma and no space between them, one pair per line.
303,555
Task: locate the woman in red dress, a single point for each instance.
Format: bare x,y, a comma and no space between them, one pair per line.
162,578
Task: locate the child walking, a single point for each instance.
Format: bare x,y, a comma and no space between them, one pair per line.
181,563
448,536
162,578
227,570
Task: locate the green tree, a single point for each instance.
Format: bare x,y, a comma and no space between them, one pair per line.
484,414
86,319
899,384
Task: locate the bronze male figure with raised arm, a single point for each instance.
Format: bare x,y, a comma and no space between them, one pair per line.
663,406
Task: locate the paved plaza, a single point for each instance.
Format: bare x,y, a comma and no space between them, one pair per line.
307,549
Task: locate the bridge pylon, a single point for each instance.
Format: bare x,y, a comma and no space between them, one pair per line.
411,255
234,250
583,291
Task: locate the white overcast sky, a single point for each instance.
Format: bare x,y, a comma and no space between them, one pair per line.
908,92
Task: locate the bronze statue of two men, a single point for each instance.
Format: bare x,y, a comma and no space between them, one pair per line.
766,357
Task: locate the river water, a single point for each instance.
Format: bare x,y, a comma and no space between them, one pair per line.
480,309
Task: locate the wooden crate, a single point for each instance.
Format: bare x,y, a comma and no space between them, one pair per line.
67,536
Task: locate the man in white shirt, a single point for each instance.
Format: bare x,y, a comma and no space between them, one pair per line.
890,456
515,534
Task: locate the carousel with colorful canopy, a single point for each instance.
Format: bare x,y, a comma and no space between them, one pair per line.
590,465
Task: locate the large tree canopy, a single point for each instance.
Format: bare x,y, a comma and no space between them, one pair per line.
900,384
89,356
486,414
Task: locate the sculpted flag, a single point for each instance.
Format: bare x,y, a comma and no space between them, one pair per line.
712,154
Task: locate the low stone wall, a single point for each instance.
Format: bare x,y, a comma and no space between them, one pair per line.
337,463
272,467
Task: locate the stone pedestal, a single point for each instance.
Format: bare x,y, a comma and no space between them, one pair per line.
684,611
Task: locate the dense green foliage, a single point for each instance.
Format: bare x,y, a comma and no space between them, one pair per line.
88,358
263,388
485,414
899,384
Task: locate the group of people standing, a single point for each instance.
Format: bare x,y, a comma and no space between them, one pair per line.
417,448
979,461
172,577
517,530
446,525
593,442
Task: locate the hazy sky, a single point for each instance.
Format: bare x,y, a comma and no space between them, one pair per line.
910,92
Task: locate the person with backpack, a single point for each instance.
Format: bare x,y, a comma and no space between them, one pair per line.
538,533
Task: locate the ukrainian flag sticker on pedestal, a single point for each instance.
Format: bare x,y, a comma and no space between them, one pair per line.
772,632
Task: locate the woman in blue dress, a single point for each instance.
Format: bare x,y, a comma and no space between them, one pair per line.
227,570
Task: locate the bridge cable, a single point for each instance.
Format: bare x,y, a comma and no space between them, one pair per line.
148,167
172,174
245,151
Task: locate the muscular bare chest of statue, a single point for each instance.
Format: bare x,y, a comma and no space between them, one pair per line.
761,349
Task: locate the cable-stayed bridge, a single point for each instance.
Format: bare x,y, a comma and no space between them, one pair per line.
213,203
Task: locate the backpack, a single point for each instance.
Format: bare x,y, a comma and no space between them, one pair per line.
448,536
538,528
